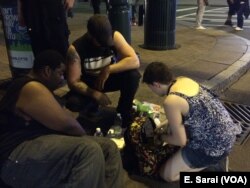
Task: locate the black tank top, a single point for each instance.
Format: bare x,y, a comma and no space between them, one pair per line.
14,129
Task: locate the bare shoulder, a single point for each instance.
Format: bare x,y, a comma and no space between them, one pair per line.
186,80
34,94
186,86
72,55
119,39
176,103
173,100
124,49
35,88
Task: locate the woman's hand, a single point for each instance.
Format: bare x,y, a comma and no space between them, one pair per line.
161,133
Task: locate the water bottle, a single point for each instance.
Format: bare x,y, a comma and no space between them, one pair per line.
118,139
116,129
98,132
111,133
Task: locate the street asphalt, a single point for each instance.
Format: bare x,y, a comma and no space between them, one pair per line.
214,57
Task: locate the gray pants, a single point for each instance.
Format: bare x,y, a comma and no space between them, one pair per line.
200,12
64,161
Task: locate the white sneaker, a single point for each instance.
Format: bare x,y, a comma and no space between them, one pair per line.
200,28
227,164
238,29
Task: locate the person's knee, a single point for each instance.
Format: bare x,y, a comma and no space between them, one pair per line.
93,147
92,151
167,175
133,77
110,147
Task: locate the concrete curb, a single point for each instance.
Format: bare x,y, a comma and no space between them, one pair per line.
224,79
227,77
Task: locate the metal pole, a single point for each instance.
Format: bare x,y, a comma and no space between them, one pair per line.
119,17
160,21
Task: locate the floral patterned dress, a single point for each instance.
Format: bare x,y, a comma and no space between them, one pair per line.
209,127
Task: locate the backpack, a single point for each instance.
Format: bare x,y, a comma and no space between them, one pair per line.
146,156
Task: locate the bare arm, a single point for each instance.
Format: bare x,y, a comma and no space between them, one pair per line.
74,78
127,58
74,70
37,102
174,107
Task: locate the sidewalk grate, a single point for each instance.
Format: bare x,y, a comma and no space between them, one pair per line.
240,113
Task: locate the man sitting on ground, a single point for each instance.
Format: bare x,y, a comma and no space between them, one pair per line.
41,145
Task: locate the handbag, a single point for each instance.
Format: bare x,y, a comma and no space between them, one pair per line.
149,156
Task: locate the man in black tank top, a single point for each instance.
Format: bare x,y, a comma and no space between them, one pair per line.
102,61
42,145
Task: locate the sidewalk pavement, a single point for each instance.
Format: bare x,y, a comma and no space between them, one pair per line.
213,57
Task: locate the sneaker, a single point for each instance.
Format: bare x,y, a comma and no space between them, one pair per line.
133,23
229,23
200,28
227,164
223,165
238,29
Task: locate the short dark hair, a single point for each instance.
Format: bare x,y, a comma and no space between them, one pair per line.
50,58
100,28
157,72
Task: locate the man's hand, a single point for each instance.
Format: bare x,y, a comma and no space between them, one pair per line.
102,98
103,76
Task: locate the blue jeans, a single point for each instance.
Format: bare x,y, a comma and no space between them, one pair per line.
64,161
232,8
240,12
198,159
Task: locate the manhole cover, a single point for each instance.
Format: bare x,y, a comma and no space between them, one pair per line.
240,113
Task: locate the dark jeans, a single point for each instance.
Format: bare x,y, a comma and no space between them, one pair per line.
126,82
64,161
198,159
240,13
47,25
232,8
134,12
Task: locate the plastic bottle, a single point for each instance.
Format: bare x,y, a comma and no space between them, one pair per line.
117,127
98,132
119,141
111,133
